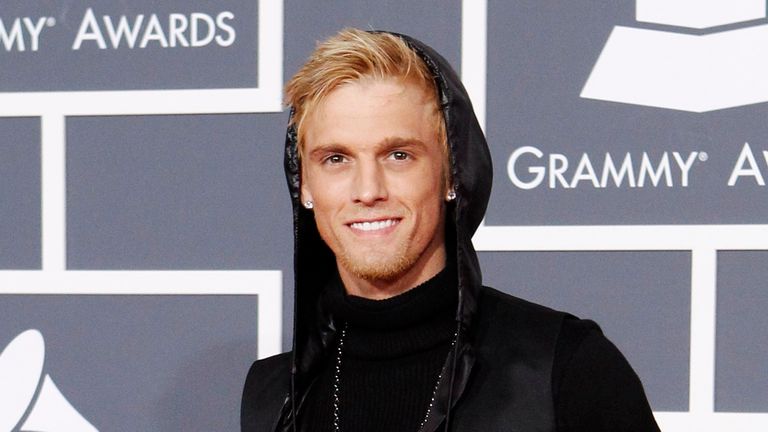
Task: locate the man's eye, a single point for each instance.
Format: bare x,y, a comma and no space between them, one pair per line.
400,155
335,159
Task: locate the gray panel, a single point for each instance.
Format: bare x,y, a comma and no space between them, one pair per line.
20,193
640,299
226,59
741,377
177,192
436,22
143,363
539,57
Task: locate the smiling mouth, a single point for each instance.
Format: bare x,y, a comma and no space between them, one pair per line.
374,225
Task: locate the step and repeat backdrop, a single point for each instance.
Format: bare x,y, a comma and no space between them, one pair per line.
145,229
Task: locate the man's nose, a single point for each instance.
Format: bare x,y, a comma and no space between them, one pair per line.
369,184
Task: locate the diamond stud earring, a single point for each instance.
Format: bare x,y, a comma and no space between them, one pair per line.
309,205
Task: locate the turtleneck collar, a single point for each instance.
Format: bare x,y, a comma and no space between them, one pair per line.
417,320
414,306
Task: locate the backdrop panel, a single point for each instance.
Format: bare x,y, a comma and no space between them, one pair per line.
561,159
742,342
20,193
128,45
176,192
142,363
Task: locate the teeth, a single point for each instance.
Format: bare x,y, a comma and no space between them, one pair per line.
373,226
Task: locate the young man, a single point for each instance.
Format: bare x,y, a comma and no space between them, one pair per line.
390,175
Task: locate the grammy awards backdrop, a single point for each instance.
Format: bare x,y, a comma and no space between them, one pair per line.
145,237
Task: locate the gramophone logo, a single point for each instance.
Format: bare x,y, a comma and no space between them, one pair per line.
711,70
29,399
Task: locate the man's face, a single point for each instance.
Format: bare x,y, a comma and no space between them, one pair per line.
372,165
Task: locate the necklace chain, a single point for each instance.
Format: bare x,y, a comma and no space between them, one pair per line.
337,380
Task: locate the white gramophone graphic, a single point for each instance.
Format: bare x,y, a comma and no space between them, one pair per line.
683,71
22,406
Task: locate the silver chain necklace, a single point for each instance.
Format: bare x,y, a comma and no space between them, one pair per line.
336,381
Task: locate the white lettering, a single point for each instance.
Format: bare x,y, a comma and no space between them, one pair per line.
196,30
685,166
558,164
739,170
34,30
584,171
557,169
89,30
124,30
14,36
196,17
178,24
226,28
537,171
646,169
618,177
154,32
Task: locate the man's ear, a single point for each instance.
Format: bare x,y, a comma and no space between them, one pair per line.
306,194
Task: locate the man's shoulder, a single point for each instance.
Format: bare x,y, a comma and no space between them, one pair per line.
271,364
265,390
494,304
506,326
505,312
269,374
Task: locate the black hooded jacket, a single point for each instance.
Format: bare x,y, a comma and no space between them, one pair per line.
500,371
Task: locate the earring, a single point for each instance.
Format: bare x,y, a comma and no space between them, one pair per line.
309,205
451,195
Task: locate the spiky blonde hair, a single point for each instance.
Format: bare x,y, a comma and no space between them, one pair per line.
353,55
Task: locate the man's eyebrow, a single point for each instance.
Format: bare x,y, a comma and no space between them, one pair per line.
324,149
392,142
386,144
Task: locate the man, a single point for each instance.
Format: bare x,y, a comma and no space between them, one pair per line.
390,175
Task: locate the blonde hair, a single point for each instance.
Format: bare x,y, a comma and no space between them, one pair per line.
353,55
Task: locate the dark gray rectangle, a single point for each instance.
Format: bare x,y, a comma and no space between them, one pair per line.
177,192
20,194
116,45
435,22
640,299
143,363
741,376
550,145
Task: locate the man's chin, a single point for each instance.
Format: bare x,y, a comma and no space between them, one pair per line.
377,271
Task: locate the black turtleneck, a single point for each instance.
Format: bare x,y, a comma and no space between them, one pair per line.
393,353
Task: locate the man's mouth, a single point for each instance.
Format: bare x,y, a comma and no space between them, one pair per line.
374,225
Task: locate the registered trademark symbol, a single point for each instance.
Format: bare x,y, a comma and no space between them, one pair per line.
703,156
50,22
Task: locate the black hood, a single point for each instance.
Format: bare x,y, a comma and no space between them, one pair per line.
314,263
